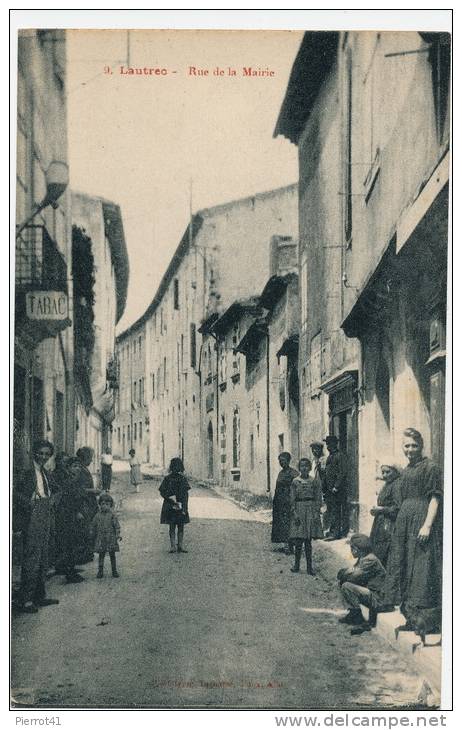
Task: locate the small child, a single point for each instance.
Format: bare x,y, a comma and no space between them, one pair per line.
361,585
105,530
305,511
174,490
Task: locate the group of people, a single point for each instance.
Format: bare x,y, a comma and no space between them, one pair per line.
400,562
62,520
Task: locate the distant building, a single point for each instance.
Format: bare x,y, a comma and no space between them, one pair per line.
254,392
43,347
131,424
223,254
369,114
100,276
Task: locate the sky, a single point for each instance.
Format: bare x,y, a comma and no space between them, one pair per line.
139,140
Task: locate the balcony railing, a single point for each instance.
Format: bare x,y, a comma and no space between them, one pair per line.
39,263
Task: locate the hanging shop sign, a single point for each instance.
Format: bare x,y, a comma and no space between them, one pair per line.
47,305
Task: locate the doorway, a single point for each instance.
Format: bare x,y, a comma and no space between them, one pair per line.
343,414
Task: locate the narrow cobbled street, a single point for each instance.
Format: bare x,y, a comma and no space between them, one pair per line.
225,625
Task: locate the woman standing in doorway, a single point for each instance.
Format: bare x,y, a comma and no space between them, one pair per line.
174,489
414,569
135,470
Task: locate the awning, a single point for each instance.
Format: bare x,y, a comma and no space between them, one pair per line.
248,345
289,347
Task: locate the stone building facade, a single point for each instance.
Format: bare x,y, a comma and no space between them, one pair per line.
97,378
368,112
43,348
201,282
130,428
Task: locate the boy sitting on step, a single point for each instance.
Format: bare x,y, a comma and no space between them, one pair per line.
361,585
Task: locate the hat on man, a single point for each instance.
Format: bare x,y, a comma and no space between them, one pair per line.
331,440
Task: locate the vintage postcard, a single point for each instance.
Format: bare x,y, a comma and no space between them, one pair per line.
230,271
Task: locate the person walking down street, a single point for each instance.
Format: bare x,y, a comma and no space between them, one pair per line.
136,476
281,503
414,568
174,489
335,475
305,523
361,585
386,511
32,507
85,457
105,531
69,522
106,470
318,469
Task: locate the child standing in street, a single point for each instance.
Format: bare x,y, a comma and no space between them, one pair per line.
174,490
305,523
105,530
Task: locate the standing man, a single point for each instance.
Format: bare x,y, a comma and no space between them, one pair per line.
336,475
318,474
33,508
106,470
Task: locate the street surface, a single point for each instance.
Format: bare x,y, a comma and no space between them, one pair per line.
226,625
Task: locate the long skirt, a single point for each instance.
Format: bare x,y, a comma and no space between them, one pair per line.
281,515
414,572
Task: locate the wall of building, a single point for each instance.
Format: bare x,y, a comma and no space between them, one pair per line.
325,352
132,397
43,370
402,146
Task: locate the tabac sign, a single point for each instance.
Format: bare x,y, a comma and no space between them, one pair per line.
46,305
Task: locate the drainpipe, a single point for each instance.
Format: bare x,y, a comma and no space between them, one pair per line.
268,435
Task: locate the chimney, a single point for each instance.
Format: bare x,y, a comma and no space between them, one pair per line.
283,255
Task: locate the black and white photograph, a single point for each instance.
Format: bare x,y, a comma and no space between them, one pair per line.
230,474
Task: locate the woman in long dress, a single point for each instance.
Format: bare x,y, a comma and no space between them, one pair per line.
388,503
305,523
85,551
281,502
136,476
414,570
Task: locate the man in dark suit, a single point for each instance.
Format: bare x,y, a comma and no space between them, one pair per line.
32,516
335,479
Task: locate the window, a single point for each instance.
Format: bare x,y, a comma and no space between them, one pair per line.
134,393
252,452
165,373
192,345
236,439
153,386
139,346
315,363
176,294
140,431
222,362
128,436
118,435
134,432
